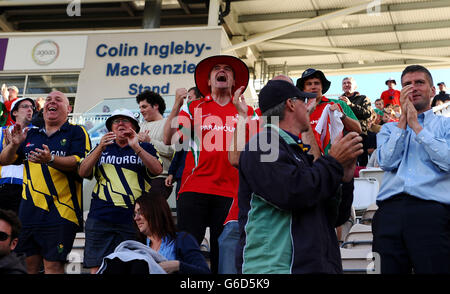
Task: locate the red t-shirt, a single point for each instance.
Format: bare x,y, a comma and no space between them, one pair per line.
207,169
386,96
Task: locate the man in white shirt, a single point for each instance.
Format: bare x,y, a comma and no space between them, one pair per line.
152,107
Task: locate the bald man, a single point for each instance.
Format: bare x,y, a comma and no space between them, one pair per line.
51,208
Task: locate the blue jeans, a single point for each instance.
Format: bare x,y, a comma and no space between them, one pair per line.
228,242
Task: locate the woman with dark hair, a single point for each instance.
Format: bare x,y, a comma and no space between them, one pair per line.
156,228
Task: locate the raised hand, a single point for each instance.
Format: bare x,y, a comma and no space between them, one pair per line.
239,102
180,95
132,137
144,136
106,140
18,135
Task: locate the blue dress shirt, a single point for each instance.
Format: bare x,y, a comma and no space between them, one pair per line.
418,165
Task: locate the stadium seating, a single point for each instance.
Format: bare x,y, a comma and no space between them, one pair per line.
373,172
364,193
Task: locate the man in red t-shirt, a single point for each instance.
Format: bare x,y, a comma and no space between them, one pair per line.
391,96
9,98
206,127
314,81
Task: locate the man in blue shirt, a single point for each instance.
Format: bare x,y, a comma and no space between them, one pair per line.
412,225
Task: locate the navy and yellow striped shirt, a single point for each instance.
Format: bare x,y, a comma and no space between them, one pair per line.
121,178
51,196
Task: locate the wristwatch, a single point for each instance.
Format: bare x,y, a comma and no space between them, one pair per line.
343,116
50,162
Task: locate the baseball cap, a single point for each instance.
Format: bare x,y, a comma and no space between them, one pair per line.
14,88
204,67
308,73
122,112
278,91
441,83
15,105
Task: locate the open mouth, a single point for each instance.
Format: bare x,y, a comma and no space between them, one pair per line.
221,77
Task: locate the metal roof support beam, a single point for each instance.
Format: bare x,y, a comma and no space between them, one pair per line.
296,26
365,52
378,47
367,30
314,13
5,25
152,14
213,14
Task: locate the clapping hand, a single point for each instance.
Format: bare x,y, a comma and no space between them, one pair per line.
239,102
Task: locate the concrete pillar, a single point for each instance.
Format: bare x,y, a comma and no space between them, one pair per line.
152,14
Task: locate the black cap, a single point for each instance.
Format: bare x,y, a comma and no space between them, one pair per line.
441,83
308,73
278,91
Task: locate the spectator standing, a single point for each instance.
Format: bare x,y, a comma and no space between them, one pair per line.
51,207
391,96
442,96
209,180
10,262
176,168
122,167
152,107
314,81
411,226
360,104
4,94
9,98
11,176
282,193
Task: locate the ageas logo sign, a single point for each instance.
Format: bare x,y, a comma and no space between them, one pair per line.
45,52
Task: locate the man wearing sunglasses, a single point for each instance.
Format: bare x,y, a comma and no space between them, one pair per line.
283,194
10,262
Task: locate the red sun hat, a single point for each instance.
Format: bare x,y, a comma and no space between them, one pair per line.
204,67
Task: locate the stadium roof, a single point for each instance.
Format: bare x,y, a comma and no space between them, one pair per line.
273,37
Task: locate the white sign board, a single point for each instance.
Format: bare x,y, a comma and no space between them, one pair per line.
122,65
45,53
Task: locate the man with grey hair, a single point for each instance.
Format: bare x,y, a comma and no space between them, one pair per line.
283,198
361,106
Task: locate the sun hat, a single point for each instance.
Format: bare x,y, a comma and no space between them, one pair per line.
277,91
15,105
204,67
308,73
122,112
390,80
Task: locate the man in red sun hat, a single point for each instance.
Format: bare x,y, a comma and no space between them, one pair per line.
205,127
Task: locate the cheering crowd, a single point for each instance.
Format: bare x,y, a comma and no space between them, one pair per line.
273,184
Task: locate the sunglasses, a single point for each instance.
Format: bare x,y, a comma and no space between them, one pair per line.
4,236
304,99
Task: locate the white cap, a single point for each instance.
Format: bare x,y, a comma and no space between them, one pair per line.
122,112
17,102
